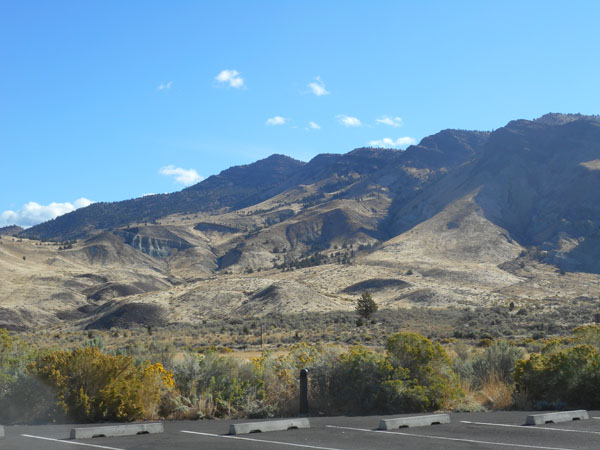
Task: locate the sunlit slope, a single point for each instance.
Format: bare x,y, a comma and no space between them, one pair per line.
462,219
537,182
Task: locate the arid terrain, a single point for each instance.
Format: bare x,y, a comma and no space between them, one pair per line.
462,220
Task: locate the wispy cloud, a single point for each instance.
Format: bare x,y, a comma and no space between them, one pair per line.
164,86
277,120
33,213
232,77
401,142
349,121
314,125
187,177
395,122
317,87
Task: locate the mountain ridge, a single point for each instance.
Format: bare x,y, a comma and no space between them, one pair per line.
275,173
460,219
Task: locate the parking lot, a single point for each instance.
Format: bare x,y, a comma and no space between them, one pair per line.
491,430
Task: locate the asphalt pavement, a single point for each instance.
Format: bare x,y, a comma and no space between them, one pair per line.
492,430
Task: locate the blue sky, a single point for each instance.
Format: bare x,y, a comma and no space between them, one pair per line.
109,100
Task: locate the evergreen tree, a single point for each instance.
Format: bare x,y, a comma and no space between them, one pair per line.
366,306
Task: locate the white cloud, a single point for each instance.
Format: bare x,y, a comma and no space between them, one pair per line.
162,86
187,177
33,213
82,202
317,87
277,120
401,142
395,122
232,77
314,125
348,121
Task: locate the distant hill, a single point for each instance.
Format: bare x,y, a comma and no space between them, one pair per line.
464,218
11,230
243,186
233,188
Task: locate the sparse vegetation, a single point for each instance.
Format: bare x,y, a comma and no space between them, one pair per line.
409,373
495,364
86,384
315,258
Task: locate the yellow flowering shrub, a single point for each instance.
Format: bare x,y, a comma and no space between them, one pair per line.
93,386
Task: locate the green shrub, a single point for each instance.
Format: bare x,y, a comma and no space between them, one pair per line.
570,376
396,396
498,360
425,370
212,385
14,357
357,380
496,363
324,374
588,334
413,375
20,396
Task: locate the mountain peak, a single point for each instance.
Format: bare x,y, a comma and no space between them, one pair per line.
278,157
561,119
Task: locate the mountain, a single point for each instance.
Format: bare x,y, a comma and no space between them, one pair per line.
537,180
11,230
242,186
232,189
561,119
464,218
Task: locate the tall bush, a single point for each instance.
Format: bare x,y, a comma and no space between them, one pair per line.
418,375
20,398
414,374
570,376
357,381
497,361
92,386
212,385
14,357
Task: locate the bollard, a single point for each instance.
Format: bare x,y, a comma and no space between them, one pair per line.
304,392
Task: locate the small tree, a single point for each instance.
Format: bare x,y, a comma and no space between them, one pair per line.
366,306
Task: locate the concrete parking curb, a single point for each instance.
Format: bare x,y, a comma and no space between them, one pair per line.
415,421
269,425
116,430
555,417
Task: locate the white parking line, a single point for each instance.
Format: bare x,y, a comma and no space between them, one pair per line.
261,440
62,441
523,427
443,438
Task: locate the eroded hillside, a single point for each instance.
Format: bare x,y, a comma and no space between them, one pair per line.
462,219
